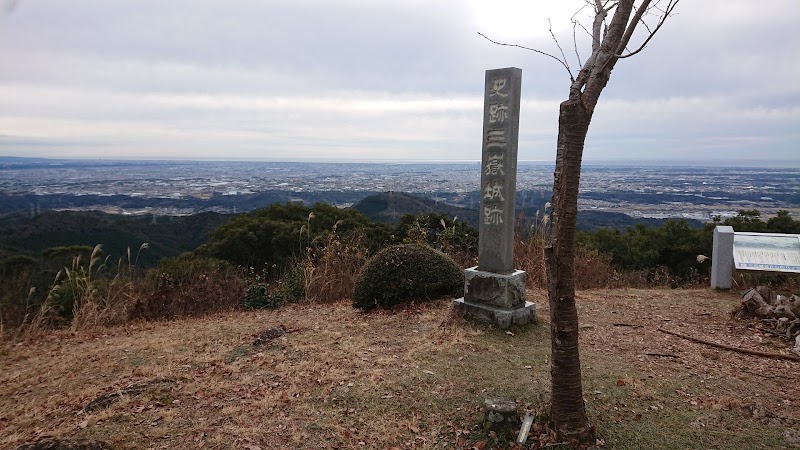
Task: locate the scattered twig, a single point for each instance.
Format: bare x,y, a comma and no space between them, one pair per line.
627,325
775,333
663,355
733,349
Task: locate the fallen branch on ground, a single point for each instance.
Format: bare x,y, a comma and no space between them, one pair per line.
663,355
731,348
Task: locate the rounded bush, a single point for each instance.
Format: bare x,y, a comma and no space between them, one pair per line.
403,273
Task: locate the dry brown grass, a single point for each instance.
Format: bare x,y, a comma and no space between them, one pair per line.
411,378
330,275
16,297
592,270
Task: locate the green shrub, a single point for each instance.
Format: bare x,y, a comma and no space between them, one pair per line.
259,296
13,265
274,237
441,232
65,295
292,285
674,246
288,288
403,273
16,289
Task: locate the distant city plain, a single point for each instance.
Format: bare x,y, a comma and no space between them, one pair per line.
640,190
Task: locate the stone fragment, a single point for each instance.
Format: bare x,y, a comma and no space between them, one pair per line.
268,335
501,416
106,400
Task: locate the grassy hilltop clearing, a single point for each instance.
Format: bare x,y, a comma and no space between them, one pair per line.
409,378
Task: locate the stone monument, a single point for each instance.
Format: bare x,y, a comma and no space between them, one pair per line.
493,290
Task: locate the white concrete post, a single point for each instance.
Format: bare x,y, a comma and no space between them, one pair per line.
722,258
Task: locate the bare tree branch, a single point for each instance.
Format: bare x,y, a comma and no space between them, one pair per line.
563,63
605,10
655,6
588,3
599,19
588,33
637,17
574,21
575,41
564,57
624,43
644,22
595,72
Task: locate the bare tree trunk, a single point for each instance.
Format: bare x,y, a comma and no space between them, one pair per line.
609,44
567,409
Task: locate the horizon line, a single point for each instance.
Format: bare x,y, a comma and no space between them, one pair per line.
734,162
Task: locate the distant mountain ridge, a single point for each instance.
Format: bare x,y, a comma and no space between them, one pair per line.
389,207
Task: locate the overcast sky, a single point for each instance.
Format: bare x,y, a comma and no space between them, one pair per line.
382,80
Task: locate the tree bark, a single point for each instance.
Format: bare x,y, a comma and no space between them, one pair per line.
567,407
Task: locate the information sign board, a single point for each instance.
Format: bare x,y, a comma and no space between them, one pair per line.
766,251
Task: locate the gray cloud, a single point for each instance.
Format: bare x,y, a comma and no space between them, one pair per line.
361,79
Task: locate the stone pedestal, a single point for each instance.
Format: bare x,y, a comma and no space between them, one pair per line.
495,289
502,317
496,298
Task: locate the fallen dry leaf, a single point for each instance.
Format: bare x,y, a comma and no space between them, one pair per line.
479,445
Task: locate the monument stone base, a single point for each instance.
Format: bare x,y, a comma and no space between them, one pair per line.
495,298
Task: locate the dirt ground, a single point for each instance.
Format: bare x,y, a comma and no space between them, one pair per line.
624,326
413,378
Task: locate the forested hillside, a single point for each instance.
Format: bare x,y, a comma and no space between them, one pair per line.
166,236
174,266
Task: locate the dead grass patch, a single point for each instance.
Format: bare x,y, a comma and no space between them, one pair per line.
413,378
